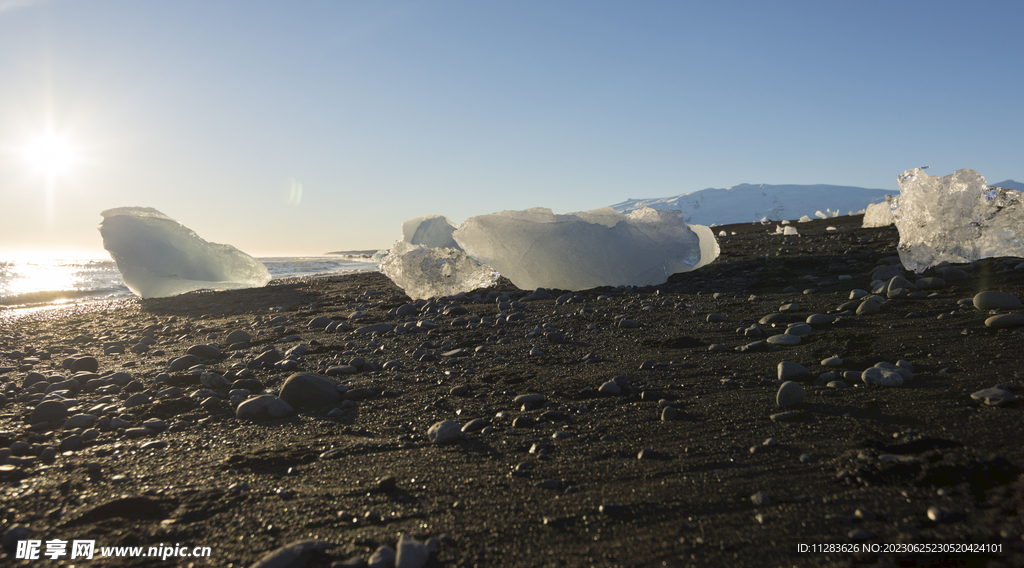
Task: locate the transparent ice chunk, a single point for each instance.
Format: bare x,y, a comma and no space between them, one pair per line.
424,272
536,248
956,218
879,214
159,257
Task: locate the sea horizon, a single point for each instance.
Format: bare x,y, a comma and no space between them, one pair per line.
30,282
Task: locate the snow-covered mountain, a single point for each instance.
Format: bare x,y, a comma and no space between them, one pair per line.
746,203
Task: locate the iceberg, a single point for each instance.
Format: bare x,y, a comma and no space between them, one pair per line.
434,231
957,219
424,272
159,257
879,214
537,249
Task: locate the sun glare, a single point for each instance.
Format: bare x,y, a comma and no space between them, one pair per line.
50,155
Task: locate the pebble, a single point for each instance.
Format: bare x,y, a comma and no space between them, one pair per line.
776,317
182,363
714,318
1005,321
882,377
238,336
474,425
80,421
995,300
444,432
833,361
761,499
205,351
800,329
994,396
789,371
375,328
87,364
820,319
868,307
533,398
785,416
784,339
610,388
137,399
790,393
261,407
309,389
669,413
319,322
48,411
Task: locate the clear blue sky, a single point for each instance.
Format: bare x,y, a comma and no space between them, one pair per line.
214,112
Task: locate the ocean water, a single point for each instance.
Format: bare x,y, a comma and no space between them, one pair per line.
33,283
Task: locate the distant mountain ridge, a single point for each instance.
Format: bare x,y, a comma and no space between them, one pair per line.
1009,184
747,203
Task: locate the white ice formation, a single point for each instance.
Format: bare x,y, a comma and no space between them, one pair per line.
434,231
424,272
879,214
159,257
956,218
537,249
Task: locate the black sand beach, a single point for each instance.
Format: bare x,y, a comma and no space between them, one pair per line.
690,462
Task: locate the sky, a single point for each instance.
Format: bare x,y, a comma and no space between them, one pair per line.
288,128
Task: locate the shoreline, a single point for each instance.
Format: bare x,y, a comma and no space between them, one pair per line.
650,431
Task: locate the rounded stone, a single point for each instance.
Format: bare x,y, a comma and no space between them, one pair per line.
80,421
48,411
532,398
799,329
994,396
610,388
882,377
87,364
833,361
789,371
309,389
265,406
182,363
820,319
995,300
868,307
784,339
137,399
444,432
790,393
1005,321
238,336
204,351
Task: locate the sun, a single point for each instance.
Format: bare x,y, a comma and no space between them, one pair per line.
50,154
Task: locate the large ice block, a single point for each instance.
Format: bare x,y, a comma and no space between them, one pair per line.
956,218
537,249
425,272
159,257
